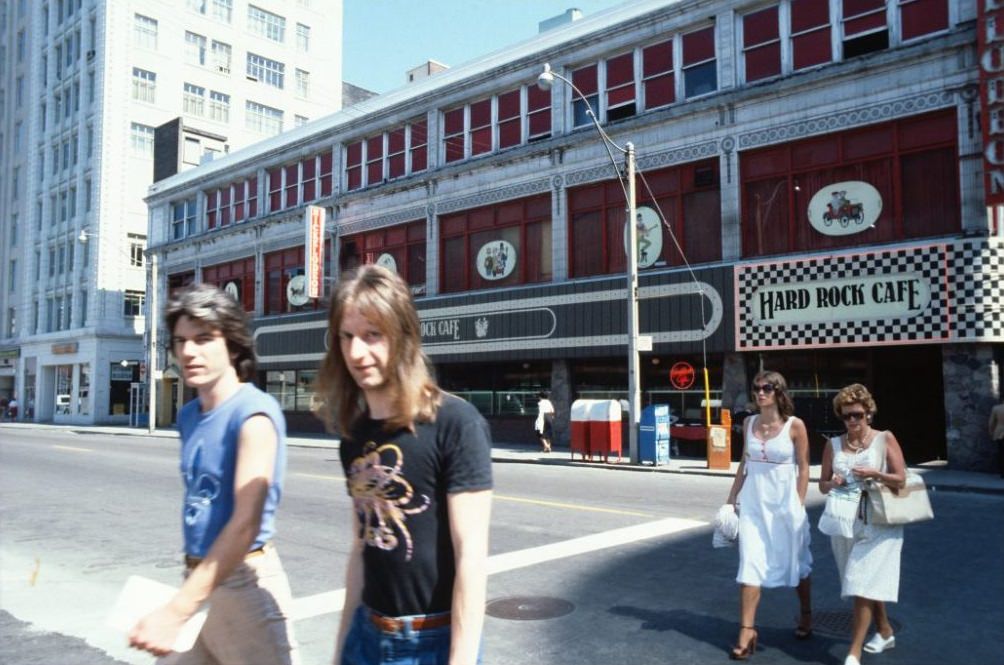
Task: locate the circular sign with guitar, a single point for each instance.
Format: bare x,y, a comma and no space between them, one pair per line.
649,236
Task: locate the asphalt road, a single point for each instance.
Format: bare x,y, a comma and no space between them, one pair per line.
589,566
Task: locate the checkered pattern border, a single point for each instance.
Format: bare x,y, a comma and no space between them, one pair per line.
976,277
931,325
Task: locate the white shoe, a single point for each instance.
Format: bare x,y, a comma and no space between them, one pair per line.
878,644
851,660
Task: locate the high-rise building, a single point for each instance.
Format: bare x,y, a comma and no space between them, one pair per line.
83,85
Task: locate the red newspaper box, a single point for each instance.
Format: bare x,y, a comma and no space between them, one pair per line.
579,418
605,428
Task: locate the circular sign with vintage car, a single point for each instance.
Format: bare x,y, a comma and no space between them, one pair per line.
845,208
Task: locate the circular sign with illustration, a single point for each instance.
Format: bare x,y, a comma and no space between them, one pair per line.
296,291
681,375
496,259
387,261
649,238
232,290
845,208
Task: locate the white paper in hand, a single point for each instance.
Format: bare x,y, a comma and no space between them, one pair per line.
139,597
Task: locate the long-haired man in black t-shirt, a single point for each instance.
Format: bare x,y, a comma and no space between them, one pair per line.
418,468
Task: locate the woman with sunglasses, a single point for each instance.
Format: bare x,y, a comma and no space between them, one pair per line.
868,557
769,494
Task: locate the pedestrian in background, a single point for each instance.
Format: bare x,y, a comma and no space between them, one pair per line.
997,433
233,462
769,494
868,559
12,408
417,465
544,425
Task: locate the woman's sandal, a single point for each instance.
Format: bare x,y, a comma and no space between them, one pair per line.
740,652
801,631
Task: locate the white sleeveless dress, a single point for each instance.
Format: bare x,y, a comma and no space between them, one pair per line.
869,561
773,527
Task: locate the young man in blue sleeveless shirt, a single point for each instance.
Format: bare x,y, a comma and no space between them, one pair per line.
418,468
233,461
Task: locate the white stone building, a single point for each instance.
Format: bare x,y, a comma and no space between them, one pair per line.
817,162
85,83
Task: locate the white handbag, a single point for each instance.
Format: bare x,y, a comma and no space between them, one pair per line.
905,506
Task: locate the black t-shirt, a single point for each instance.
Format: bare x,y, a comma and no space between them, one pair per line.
398,482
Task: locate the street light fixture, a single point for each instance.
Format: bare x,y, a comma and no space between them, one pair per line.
545,81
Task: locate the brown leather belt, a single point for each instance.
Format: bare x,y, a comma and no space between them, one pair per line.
394,625
193,561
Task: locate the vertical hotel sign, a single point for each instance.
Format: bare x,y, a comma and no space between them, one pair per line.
990,37
314,250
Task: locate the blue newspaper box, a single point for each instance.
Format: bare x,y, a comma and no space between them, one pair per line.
653,435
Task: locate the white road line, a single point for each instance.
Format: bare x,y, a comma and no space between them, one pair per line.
73,448
332,601
318,476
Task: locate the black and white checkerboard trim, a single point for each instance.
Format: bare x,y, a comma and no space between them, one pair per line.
965,278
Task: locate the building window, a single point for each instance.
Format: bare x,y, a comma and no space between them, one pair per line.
144,85
689,197
232,203
500,245
480,127
15,183
144,32
700,68
221,56
234,277
137,245
87,196
12,275
182,219
141,139
810,34
267,71
262,119
761,44
292,388
302,37
268,25
302,83
374,160
300,120
280,268
454,134
406,153
223,10
585,79
132,303
620,87
194,100
864,27
195,49
912,163
922,17
401,248
219,106
197,6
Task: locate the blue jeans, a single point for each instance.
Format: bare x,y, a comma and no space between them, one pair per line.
366,644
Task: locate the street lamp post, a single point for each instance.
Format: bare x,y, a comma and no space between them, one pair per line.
545,81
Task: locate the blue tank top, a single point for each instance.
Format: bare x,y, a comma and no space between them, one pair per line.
208,463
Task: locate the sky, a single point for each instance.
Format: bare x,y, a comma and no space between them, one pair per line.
385,38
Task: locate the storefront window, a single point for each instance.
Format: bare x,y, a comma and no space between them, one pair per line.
84,392
120,378
293,389
64,389
399,248
236,278
285,281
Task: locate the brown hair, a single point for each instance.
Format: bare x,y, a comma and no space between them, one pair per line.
785,406
854,394
213,307
384,299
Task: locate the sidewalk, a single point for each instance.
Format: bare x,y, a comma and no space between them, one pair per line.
936,475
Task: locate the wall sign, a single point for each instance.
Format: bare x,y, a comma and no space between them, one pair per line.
990,45
496,260
387,261
232,290
296,291
681,375
649,236
313,220
845,208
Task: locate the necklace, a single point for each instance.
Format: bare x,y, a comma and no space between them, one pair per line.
862,444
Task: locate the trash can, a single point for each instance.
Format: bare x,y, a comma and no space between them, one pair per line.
605,428
653,435
579,418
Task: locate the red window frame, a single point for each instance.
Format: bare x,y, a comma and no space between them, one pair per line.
354,166
620,90
274,188
374,160
919,18
698,52
308,171
396,152
252,200
405,242
689,195
241,269
453,134
291,174
658,80
419,137
538,113
810,34
510,125
913,162
324,172
531,219
280,267
762,44
586,79
224,217
481,127
211,203
861,17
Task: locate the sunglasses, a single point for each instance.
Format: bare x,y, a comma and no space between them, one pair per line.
853,415
766,388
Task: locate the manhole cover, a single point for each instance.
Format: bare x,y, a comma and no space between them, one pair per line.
528,608
837,623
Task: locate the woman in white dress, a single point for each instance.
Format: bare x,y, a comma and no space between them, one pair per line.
868,558
769,493
544,425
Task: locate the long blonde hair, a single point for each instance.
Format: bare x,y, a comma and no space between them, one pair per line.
382,298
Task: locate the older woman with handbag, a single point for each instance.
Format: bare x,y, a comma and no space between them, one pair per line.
867,553
769,489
